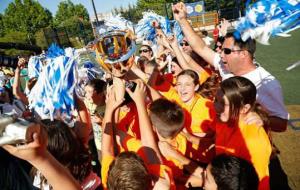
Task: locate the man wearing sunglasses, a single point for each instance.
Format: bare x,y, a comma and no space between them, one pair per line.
146,51
239,59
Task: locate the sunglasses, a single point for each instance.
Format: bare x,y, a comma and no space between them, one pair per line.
228,51
220,46
144,50
184,44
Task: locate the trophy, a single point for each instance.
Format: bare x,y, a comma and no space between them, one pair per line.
115,51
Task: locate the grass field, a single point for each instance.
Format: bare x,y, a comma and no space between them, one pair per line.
277,57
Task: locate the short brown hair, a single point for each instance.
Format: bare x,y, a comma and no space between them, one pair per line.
98,85
190,73
128,171
249,44
167,117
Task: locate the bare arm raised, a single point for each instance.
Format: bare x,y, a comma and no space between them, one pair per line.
36,153
195,41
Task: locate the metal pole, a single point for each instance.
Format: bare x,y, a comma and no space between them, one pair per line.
166,10
95,12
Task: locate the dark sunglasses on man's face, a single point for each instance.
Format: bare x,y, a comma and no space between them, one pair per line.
184,44
228,51
144,50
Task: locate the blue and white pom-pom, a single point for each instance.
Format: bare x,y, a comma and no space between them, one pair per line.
266,18
177,31
54,51
53,93
35,65
145,29
116,23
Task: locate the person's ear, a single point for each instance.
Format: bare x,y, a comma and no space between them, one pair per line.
196,88
245,53
246,108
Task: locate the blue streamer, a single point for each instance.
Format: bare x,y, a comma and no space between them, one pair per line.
54,51
266,18
35,65
145,30
53,94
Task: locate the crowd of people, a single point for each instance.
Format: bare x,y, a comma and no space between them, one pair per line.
194,118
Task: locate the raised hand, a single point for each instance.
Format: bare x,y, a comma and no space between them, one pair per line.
224,26
111,101
172,41
35,149
139,94
21,62
179,11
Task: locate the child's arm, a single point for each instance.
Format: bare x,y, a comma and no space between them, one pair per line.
195,41
192,167
184,60
147,136
196,140
16,85
36,153
83,124
107,137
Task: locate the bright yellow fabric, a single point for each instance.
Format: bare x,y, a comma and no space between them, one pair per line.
200,114
128,121
249,142
135,145
203,76
105,163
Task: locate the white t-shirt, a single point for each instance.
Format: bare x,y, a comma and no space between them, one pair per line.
269,93
208,40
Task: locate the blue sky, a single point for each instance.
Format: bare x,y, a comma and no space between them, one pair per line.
102,6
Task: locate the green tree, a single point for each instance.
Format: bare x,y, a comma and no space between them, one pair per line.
26,16
158,6
134,12
129,13
1,26
74,18
15,37
68,11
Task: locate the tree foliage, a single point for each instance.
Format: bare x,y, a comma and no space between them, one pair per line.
163,7
129,13
134,12
15,37
155,5
68,12
75,19
26,16
1,26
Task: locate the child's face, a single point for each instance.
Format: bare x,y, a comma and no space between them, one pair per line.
185,88
209,181
221,105
186,47
175,69
92,95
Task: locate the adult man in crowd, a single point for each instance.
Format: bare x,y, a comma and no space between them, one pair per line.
238,56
